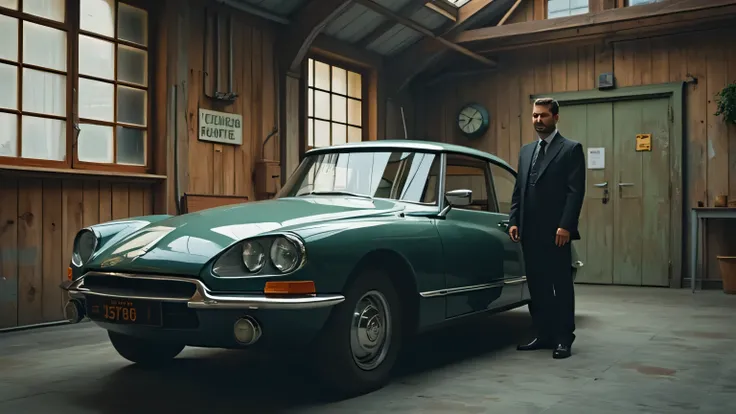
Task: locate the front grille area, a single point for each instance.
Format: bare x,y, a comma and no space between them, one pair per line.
131,286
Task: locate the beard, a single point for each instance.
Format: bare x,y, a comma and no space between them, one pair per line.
543,128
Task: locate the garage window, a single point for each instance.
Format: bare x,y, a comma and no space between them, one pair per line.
334,104
562,8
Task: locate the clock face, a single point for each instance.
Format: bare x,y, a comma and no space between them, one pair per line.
470,119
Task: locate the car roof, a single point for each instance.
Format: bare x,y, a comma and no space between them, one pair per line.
408,144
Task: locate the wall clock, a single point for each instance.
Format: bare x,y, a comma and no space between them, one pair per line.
473,120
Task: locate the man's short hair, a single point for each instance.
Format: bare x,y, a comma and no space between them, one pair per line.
554,107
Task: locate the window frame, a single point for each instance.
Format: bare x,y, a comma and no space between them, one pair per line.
364,97
546,10
490,191
493,183
71,26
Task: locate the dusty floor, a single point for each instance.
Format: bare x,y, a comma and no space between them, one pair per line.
638,350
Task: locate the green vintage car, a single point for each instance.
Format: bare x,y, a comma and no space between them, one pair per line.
366,245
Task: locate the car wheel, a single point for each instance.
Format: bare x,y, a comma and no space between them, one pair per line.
362,339
142,351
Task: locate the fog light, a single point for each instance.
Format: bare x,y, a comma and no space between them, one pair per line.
74,311
246,331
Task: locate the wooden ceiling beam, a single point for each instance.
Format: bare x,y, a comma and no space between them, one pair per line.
427,51
310,20
602,18
408,9
423,30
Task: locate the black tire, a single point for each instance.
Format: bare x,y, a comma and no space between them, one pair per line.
334,357
142,351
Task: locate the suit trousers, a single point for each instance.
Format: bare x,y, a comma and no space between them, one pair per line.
549,276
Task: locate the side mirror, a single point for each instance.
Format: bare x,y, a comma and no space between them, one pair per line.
459,198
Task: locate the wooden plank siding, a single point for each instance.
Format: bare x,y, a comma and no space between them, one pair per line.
710,144
219,169
39,218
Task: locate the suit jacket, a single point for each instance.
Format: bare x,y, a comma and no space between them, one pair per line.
560,184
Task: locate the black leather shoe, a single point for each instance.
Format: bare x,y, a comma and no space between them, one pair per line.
536,344
562,351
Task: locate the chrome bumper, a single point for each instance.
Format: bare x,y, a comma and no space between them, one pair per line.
203,298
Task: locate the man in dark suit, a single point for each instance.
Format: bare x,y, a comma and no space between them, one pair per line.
545,210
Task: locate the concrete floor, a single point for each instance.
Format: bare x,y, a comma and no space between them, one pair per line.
638,350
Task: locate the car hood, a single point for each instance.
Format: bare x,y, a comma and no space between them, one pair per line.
182,244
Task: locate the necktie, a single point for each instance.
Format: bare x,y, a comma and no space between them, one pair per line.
537,163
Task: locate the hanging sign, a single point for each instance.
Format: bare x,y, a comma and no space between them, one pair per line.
643,142
220,127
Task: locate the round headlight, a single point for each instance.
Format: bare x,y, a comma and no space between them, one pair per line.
84,247
253,256
284,255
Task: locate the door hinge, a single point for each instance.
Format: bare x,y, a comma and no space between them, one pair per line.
671,113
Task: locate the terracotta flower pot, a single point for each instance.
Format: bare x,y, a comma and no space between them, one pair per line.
728,273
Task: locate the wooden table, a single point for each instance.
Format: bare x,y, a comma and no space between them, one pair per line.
696,215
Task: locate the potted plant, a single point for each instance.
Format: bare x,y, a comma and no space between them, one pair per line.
726,100
728,273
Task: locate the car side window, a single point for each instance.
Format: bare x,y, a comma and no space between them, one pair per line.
469,173
503,185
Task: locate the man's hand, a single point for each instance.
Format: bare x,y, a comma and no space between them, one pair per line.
562,237
514,233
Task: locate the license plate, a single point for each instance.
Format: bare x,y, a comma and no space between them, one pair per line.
124,311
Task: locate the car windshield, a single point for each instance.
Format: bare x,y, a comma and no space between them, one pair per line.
405,176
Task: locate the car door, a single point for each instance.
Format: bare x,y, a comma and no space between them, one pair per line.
472,239
503,180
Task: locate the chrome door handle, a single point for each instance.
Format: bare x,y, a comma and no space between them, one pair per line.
601,185
625,184
504,224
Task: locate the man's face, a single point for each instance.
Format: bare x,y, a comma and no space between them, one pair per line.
544,121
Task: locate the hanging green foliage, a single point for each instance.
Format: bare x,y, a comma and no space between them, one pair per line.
726,100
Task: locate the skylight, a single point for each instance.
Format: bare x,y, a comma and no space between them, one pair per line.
458,3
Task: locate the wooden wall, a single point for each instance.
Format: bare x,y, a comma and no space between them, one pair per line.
709,56
218,169
39,218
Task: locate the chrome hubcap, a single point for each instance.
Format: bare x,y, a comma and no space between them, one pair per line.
370,332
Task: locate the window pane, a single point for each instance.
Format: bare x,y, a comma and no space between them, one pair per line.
131,106
354,134
503,182
44,46
8,135
555,6
96,57
44,92
576,4
43,138
132,24
339,134
354,112
321,104
132,65
9,4
98,16
95,144
96,100
339,109
131,146
8,86
8,38
354,86
339,81
310,69
310,102
310,133
50,9
321,133
321,75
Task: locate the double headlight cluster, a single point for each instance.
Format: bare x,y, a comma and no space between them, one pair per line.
85,244
285,253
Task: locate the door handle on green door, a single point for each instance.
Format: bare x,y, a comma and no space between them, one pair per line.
604,186
601,185
625,184
504,224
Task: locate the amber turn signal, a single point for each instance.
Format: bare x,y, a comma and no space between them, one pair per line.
69,273
305,287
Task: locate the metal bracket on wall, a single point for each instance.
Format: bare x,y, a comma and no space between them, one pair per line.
219,95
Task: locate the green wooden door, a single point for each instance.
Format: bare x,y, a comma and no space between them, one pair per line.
591,125
625,219
641,196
